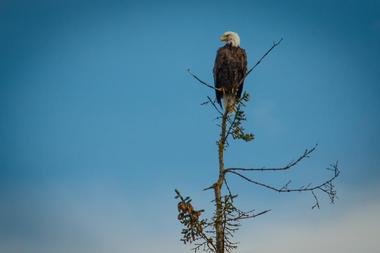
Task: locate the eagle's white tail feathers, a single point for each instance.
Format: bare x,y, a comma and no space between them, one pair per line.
229,102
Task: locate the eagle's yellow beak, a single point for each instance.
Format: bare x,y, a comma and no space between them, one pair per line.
223,38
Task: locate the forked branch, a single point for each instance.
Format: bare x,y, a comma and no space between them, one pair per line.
326,186
275,44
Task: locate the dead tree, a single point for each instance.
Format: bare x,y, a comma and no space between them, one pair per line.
216,233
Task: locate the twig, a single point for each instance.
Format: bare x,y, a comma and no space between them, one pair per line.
228,189
316,201
275,44
258,214
202,82
287,167
214,105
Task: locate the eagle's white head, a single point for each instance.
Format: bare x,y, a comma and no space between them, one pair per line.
231,38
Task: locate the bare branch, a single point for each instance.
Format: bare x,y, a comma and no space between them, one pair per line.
214,105
202,82
316,204
209,188
228,188
261,213
206,242
275,44
326,187
287,167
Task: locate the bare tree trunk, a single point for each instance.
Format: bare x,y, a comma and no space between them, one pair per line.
219,230
215,234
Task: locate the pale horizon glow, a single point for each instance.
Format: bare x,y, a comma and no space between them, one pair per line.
100,122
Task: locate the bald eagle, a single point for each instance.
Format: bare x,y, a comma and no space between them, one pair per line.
229,71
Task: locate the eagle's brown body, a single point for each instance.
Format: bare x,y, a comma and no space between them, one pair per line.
229,70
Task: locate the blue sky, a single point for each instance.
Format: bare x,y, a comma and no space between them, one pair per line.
100,121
